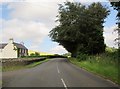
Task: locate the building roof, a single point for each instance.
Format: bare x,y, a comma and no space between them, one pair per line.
16,44
19,45
2,46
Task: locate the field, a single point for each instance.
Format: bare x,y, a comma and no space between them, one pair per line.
40,53
105,64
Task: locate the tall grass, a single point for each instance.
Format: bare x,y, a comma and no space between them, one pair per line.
105,64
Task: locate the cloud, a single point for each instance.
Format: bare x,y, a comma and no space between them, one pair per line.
40,10
110,35
31,31
58,50
33,0
43,11
53,0
86,1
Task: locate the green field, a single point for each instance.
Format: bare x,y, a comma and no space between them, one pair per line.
105,65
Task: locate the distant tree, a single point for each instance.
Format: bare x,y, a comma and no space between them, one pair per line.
37,54
67,54
32,54
80,28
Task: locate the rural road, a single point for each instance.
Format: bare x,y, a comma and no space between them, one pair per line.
57,72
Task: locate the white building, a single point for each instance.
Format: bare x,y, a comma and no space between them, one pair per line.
12,50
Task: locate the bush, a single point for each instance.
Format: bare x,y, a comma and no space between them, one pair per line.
36,54
32,54
82,57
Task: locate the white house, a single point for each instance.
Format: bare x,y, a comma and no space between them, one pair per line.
12,50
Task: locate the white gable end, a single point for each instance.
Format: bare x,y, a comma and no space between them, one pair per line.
9,52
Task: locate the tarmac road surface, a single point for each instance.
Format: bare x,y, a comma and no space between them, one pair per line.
57,72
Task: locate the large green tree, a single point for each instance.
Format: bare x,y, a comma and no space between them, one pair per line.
80,28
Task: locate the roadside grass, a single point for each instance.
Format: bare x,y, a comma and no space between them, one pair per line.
105,65
18,67
36,63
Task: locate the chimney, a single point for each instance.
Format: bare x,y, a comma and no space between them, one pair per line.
11,40
22,43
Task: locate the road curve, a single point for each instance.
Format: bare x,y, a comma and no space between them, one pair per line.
57,72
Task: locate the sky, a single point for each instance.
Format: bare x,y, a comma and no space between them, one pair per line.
29,21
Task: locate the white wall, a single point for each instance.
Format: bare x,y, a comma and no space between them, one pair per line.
8,51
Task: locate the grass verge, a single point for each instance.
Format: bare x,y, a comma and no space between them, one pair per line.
36,63
17,67
101,65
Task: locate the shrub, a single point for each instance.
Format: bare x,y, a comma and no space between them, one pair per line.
82,57
37,54
32,54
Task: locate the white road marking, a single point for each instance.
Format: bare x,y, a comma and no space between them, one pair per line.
64,83
62,79
58,69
